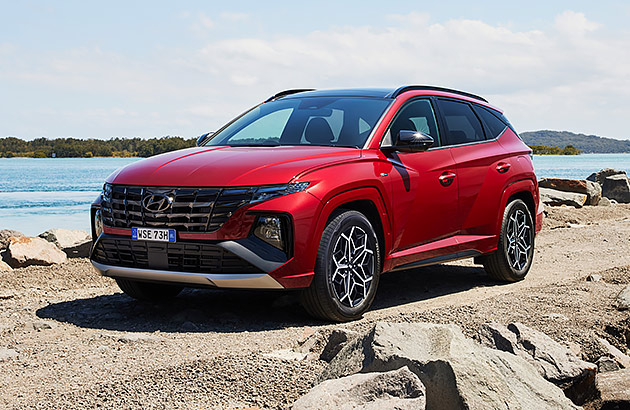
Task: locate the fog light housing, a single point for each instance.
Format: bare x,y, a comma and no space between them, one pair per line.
271,230
98,224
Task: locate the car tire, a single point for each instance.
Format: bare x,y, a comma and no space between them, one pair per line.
515,250
342,291
153,292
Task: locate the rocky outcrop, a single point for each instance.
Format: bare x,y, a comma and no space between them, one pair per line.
623,298
592,190
617,355
617,187
396,389
4,267
553,361
75,243
456,371
614,389
600,176
553,197
27,251
336,341
5,235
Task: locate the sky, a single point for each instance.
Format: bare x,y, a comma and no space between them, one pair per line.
89,69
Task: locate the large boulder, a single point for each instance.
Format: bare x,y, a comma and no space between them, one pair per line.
600,176
553,197
592,190
614,389
5,235
74,243
553,361
396,389
623,299
456,371
617,187
27,251
4,267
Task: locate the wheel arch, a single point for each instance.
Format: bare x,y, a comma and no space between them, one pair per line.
523,190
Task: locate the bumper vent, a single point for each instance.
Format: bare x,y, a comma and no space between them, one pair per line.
177,257
190,210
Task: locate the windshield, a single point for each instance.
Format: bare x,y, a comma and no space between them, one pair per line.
323,121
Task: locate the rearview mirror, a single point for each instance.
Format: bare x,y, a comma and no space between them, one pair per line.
413,141
204,138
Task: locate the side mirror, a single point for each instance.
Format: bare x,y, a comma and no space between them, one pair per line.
203,138
413,141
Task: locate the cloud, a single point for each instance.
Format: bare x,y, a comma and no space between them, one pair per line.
571,75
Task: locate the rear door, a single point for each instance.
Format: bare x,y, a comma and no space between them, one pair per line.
424,201
481,163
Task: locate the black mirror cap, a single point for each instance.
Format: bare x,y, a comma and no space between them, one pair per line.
413,141
203,138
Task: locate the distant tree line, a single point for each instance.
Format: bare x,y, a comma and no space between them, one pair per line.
546,150
79,148
586,143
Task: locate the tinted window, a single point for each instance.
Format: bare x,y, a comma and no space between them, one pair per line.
462,125
494,126
331,121
417,115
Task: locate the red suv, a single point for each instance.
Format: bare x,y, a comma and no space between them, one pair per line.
324,191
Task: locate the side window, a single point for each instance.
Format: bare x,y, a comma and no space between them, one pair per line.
418,115
462,125
494,126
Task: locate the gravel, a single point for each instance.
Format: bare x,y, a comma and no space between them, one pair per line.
79,343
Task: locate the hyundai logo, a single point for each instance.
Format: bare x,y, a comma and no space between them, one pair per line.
156,202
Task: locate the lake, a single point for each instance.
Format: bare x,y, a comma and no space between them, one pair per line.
38,194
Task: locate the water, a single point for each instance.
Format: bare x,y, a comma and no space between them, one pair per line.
38,194
578,166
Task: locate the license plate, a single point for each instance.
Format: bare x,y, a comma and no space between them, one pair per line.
151,234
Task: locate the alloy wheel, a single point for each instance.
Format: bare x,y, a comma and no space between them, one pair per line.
352,266
519,238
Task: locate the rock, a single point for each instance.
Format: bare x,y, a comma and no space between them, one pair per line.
607,364
6,354
600,176
554,197
556,316
4,267
5,235
614,389
617,355
456,371
553,361
39,325
396,389
75,243
593,277
131,337
623,298
286,354
591,189
336,341
604,202
27,251
617,187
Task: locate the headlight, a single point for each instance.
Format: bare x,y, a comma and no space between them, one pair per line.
275,230
107,192
265,193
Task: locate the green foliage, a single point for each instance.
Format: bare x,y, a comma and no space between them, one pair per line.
77,148
585,143
545,150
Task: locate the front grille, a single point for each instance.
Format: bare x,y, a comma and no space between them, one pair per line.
191,210
187,256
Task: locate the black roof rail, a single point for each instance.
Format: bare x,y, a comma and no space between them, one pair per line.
401,90
288,92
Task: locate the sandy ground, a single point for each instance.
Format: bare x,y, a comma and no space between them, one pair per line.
80,343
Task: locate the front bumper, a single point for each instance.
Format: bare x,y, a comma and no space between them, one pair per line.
239,281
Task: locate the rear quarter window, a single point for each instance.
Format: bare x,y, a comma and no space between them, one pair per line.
494,126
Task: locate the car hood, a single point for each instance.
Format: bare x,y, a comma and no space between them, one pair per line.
229,166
